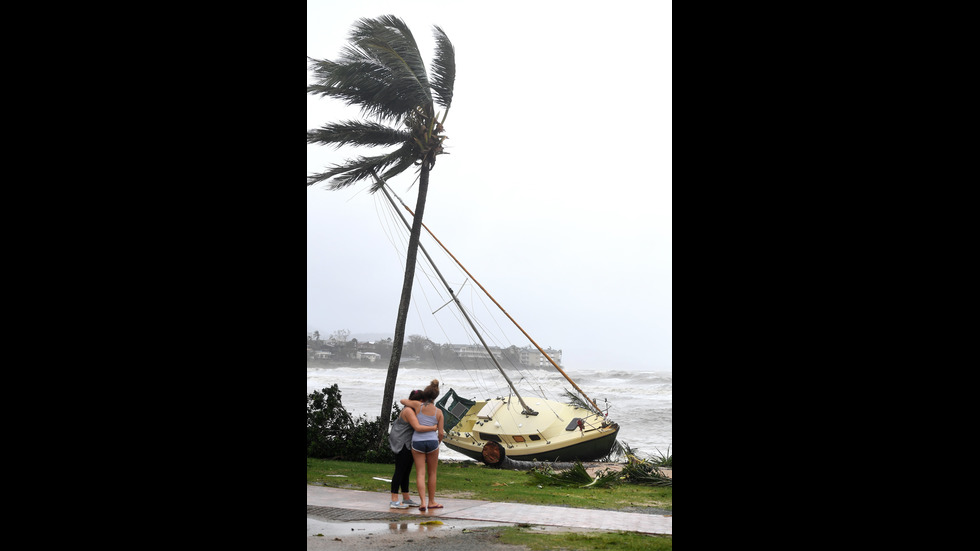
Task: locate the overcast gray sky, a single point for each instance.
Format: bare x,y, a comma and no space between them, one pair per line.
556,194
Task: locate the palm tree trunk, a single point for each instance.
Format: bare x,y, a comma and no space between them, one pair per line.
406,299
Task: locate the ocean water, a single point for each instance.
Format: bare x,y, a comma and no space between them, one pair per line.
640,401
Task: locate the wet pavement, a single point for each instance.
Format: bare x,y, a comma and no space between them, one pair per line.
336,512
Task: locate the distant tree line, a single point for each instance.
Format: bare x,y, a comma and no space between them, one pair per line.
417,348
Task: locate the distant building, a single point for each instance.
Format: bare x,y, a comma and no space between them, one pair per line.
476,352
532,357
369,356
322,355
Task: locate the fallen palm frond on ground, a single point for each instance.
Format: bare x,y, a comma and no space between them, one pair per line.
642,471
575,476
636,471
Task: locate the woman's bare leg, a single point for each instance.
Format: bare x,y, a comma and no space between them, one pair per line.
432,464
419,458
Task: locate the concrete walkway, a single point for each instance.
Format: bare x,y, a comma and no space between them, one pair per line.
475,510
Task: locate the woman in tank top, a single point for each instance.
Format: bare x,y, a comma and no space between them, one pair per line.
425,445
400,440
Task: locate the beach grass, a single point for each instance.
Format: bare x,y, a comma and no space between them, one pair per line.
471,480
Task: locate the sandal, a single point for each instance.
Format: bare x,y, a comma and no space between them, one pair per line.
422,508
435,506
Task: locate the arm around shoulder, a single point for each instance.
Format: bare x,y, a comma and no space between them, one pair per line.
414,404
414,421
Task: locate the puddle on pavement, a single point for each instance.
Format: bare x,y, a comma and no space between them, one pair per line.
333,529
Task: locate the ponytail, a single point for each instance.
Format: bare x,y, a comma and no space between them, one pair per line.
431,392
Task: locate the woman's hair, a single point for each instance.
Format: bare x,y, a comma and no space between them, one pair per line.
415,395
432,391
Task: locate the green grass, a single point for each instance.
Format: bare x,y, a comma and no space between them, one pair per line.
584,541
475,481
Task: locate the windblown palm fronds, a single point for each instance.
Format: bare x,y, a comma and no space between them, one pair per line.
382,72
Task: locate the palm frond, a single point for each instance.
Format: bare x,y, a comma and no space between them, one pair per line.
362,168
357,133
400,166
443,69
389,41
575,476
662,460
642,471
363,82
574,399
606,478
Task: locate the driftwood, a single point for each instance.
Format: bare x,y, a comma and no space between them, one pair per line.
495,456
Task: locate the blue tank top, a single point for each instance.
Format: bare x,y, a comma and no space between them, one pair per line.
429,421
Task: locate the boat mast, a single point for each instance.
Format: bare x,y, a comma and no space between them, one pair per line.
527,409
545,354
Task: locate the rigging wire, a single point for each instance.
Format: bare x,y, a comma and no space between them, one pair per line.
423,271
422,267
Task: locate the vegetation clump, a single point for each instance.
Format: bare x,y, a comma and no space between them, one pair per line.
643,471
636,471
332,433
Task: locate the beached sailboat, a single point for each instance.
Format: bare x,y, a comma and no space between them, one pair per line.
489,430
537,429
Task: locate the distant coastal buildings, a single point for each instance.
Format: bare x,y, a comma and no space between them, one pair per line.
529,356
532,357
420,349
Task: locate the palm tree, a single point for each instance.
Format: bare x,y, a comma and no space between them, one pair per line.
382,72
